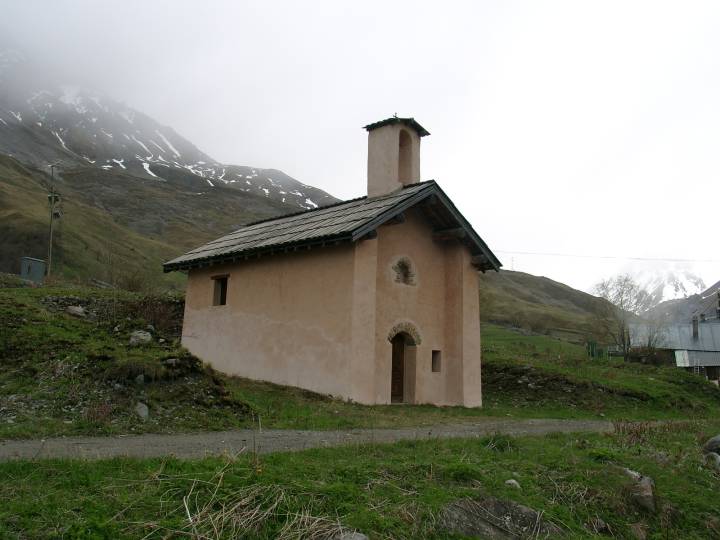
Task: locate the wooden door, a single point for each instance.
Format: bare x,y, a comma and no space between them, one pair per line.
398,369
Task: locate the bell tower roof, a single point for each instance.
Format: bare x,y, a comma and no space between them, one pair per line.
409,122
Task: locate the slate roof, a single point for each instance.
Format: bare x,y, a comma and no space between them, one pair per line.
346,221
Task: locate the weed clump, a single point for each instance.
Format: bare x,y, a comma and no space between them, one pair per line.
499,442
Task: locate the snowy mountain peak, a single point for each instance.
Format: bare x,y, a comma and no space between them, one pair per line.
42,123
670,283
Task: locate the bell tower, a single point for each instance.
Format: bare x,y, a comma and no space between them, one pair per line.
393,154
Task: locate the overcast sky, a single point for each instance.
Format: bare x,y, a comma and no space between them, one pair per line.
589,129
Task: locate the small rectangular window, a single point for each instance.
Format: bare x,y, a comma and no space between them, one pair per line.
436,361
220,291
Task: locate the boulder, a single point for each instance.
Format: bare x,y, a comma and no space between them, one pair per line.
76,311
142,410
712,460
512,483
139,337
140,379
491,518
713,445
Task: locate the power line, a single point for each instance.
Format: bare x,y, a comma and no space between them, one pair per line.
578,256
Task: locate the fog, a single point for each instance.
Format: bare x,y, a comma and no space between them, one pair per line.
577,137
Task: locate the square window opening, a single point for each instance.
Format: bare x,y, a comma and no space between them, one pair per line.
220,291
436,361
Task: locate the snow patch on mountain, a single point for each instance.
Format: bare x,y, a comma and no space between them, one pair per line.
168,143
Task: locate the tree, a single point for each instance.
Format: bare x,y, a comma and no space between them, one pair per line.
628,301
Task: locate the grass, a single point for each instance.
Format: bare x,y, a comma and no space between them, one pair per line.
522,372
69,376
385,491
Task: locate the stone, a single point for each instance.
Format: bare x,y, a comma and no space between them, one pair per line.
513,483
643,494
161,340
171,362
140,379
712,459
492,518
139,337
116,329
76,311
713,445
354,535
142,410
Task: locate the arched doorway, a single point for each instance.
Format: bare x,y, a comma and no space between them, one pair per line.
397,376
402,368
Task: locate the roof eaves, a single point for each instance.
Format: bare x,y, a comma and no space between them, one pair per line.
256,252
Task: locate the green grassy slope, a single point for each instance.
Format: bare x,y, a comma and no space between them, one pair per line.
64,375
540,305
114,226
385,491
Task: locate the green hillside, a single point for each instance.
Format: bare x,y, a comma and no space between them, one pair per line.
115,227
68,375
539,305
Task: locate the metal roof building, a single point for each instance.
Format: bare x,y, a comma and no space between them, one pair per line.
691,349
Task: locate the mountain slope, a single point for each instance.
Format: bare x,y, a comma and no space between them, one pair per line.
114,226
133,192
43,122
682,310
540,305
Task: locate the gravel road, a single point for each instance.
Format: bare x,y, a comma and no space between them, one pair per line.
198,445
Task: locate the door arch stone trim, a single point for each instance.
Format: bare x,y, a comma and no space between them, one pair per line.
406,327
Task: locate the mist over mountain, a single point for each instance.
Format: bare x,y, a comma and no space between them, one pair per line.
44,121
670,283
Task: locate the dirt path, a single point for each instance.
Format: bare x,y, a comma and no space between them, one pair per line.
198,445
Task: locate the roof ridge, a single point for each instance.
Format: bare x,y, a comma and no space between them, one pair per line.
310,210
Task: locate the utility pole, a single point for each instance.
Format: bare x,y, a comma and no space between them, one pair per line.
53,199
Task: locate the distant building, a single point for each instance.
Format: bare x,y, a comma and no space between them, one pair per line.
694,346
373,299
